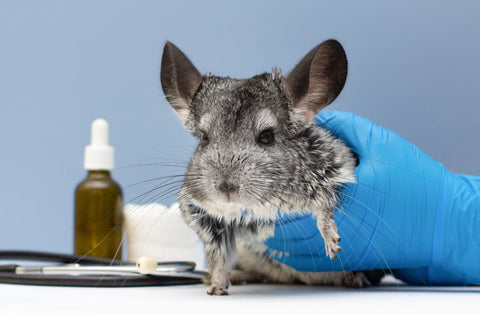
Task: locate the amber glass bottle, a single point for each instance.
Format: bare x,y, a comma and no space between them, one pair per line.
98,201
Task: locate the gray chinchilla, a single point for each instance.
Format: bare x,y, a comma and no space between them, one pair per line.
260,153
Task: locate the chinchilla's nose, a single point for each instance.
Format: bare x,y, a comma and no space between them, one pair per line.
227,187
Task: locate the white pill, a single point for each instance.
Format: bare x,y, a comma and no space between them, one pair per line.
146,265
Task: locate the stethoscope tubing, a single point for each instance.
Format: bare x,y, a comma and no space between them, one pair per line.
85,271
57,257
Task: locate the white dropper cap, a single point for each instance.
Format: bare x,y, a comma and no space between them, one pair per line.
99,155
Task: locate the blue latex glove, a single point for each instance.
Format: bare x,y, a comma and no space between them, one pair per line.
407,213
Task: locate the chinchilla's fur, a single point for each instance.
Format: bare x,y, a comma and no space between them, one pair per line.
259,154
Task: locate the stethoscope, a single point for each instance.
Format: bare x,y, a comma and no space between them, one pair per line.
86,271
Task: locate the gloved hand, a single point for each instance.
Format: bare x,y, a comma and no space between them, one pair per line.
407,213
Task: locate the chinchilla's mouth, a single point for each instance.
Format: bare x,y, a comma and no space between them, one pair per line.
236,212
230,198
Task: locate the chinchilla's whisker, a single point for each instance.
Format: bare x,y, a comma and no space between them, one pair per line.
147,181
368,224
377,252
361,226
167,181
144,215
155,165
156,188
376,189
301,229
371,211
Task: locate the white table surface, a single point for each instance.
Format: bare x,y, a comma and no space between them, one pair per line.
390,297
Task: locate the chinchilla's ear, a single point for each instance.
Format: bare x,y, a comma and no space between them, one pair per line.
180,80
318,79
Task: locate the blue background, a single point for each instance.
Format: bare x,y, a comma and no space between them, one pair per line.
413,67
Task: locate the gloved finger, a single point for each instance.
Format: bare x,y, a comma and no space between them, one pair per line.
313,262
354,130
365,138
296,226
312,244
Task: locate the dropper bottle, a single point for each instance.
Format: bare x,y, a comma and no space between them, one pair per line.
98,200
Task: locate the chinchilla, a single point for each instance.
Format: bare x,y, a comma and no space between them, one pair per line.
260,155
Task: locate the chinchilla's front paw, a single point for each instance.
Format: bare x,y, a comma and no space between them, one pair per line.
217,290
330,237
219,284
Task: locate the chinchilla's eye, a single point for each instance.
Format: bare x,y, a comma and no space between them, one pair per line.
265,137
204,139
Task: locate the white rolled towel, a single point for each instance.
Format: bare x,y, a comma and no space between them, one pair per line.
160,232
